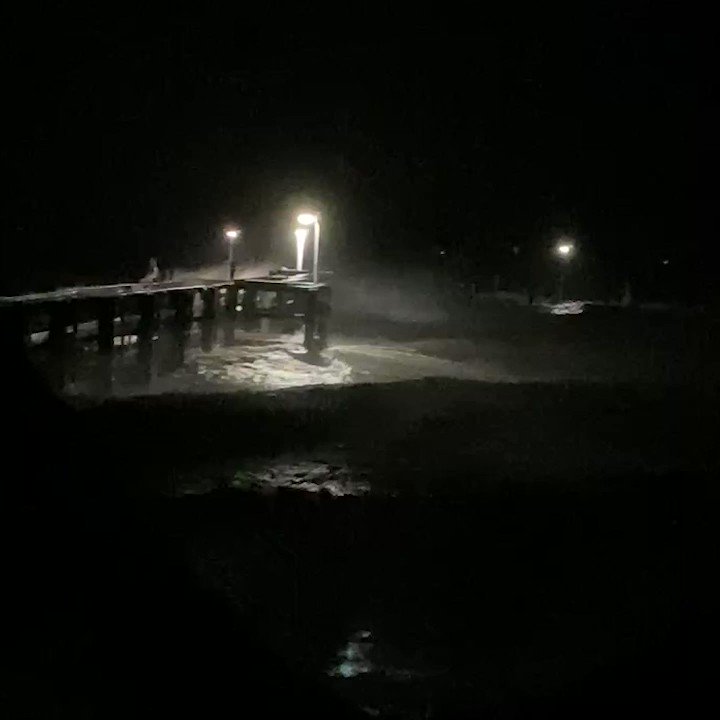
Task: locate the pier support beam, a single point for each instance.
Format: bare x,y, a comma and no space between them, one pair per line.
106,310
181,302
60,318
207,323
146,331
230,315
310,321
249,308
323,318
15,319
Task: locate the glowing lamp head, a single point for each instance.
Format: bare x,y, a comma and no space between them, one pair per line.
565,249
307,218
232,234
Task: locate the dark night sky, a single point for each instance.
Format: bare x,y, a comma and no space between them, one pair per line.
123,145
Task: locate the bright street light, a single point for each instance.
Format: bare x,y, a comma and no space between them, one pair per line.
231,235
307,218
310,218
301,234
565,249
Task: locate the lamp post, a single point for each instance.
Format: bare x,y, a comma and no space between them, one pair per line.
301,234
231,235
564,250
308,218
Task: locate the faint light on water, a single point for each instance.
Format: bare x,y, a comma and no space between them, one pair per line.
348,669
306,476
568,308
353,658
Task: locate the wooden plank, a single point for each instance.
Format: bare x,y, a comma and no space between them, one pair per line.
274,285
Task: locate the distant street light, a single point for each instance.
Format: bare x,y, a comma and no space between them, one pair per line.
231,235
564,249
300,237
307,218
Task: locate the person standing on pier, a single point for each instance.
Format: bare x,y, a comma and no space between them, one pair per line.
153,274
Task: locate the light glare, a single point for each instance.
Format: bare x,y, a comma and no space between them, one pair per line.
307,218
565,249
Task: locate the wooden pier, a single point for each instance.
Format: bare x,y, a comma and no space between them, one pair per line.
137,309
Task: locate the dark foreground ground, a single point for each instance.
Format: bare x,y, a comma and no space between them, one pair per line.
502,550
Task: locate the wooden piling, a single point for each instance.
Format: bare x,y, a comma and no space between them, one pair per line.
15,320
249,309
249,304
323,318
231,297
230,315
58,344
207,323
310,321
209,301
106,310
145,332
182,303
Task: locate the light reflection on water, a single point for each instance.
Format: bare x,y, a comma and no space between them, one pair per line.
195,358
362,655
354,658
304,475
